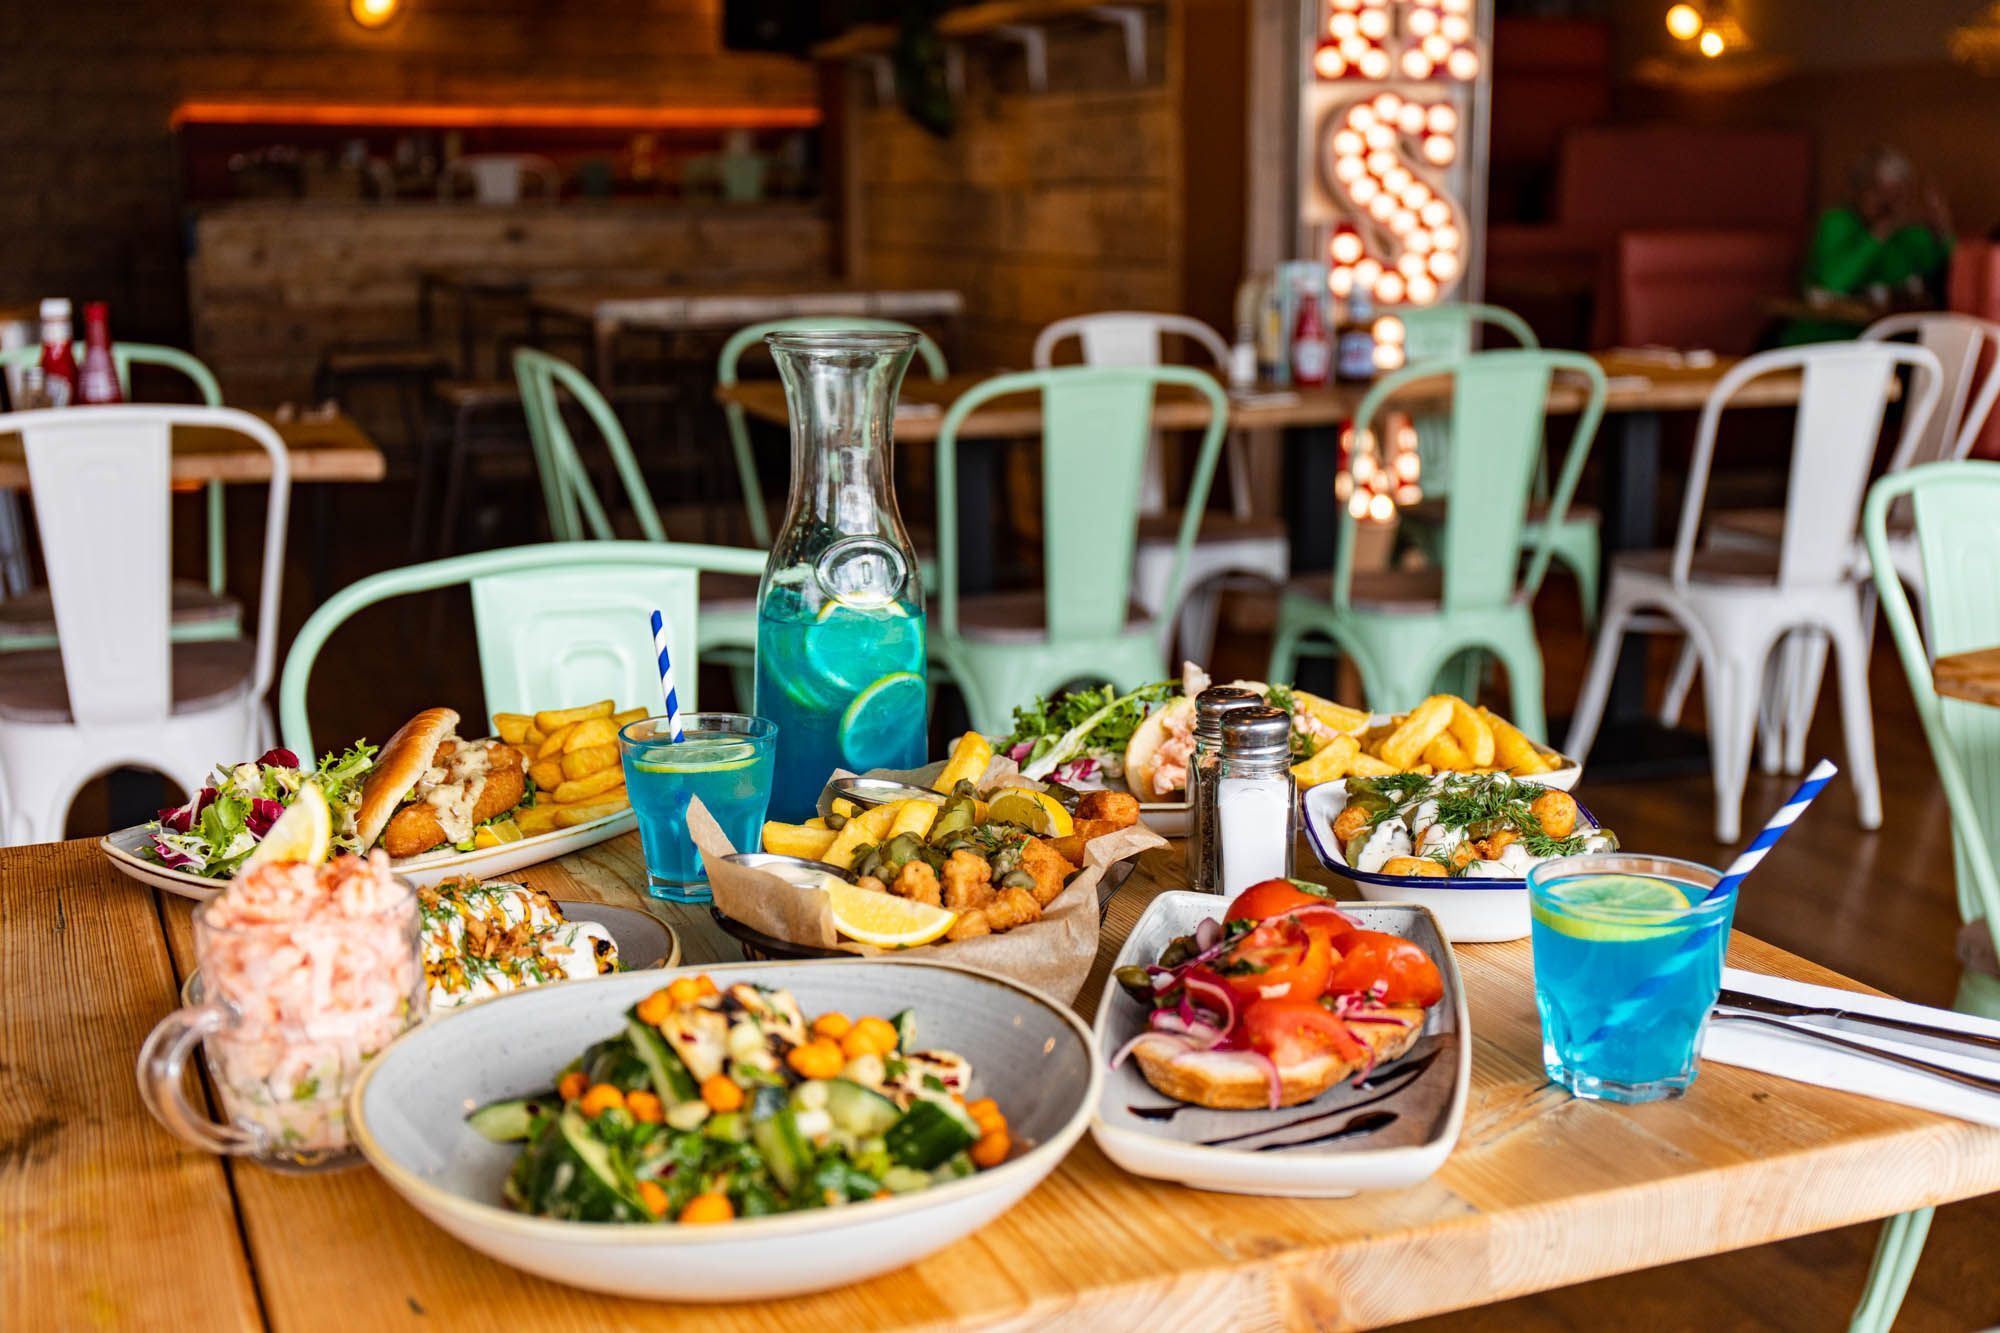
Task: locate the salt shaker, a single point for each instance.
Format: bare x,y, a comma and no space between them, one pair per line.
1204,847
1256,798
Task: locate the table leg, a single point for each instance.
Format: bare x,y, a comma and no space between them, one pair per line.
320,564
467,349
978,537
1312,457
604,334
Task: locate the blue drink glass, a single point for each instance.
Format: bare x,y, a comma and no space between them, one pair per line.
726,759
1628,963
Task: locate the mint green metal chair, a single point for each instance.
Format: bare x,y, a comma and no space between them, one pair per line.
1445,331
201,613
729,621
1402,628
1006,648
556,624
726,367
1958,543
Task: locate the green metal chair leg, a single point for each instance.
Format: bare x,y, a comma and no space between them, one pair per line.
1896,1256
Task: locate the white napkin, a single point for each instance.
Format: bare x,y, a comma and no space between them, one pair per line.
1754,1046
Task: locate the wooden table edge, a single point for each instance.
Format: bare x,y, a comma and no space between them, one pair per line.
1973,677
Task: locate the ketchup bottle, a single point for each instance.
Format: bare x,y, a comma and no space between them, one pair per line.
59,377
98,382
1312,351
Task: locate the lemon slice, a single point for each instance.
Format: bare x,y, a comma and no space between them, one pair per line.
1035,811
883,919
1614,907
496,833
303,833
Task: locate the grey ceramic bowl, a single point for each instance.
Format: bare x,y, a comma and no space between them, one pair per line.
407,1114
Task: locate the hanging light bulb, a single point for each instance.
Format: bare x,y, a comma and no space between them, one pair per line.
1683,22
1711,43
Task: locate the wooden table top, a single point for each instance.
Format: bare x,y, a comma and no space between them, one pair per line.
1973,676
111,1223
682,307
1635,386
331,448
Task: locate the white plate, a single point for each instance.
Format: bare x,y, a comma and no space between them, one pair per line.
1425,1090
1471,911
125,850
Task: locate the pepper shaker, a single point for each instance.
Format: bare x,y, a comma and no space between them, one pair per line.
1204,847
1256,798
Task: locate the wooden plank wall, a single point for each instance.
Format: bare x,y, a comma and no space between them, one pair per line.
1039,205
272,284
87,164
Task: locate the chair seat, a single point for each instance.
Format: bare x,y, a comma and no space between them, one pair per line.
29,621
205,675
1432,511
1716,565
1164,529
1768,525
466,395
1379,589
1022,617
1975,948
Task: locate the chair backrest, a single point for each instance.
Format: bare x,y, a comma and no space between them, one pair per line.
1846,386
107,470
727,365
1953,507
1444,332
575,512
125,355
556,624
1965,345
1096,423
1500,400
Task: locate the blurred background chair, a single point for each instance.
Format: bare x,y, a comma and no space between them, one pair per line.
554,623
1082,623
1232,550
1737,606
1950,509
1402,627
201,610
120,691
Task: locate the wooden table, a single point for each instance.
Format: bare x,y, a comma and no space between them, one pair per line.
673,309
331,448
111,1223
1973,676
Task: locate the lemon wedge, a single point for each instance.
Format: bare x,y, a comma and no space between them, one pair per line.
494,834
883,919
1035,811
303,833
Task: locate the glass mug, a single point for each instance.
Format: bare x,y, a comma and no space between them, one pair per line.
287,1012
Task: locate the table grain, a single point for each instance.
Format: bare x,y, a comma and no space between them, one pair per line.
329,448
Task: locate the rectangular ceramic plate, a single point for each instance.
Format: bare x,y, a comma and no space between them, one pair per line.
126,851
1392,1130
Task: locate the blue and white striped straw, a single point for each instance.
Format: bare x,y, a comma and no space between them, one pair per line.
674,731
1774,828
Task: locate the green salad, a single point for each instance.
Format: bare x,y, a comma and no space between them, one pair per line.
715,1104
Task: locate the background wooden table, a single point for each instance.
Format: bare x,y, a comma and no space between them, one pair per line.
1974,676
111,1223
331,448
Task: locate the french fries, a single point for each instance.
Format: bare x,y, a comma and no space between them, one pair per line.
576,768
969,758
1443,734
865,827
798,840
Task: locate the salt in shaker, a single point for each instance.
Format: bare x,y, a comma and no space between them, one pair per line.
1256,798
1204,847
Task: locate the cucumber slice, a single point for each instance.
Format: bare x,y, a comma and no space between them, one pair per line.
905,1180
729,1126
569,1174
785,1150
619,1065
929,1133
511,1121
672,1083
860,1111
906,1031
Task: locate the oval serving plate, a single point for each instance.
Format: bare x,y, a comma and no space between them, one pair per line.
1391,1131
126,850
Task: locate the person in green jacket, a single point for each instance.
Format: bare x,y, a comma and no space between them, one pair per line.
1889,247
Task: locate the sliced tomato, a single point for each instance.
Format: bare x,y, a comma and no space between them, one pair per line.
1277,959
1290,1031
1269,899
1402,968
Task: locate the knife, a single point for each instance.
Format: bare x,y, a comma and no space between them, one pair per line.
1723,1014
1928,1035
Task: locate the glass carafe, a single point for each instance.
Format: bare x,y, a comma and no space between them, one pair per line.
840,611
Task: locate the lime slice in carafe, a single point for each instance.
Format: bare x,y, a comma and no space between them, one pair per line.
876,728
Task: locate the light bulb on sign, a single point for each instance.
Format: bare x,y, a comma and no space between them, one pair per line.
1381,508
1349,144
1410,264
1683,22
1328,63
1445,238
1421,22
1455,27
1435,47
372,13
1357,505
1375,23
1375,64
1340,281
1463,65
1382,207
1363,190
1366,272
1408,495
1443,265
1379,136
1381,162
1439,149
1343,486
1455,6
1411,119
1347,4
1396,180
1347,170
1364,466
1402,221
1423,290
1711,43
1416,65
1435,214
1361,117
1342,25
1388,356
1346,247
1442,118
1388,106
1415,195
1353,48
1389,288
1389,329
1407,466
1418,241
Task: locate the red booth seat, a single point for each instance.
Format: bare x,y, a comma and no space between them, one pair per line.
1706,288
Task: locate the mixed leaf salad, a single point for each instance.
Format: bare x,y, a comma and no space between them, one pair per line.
716,1104
212,834
1080,736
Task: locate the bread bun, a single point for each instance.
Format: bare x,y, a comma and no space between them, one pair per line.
1234,1081
398,768
415,828
1142,752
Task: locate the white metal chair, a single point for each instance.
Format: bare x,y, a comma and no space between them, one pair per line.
1968,350
1230,551
118,691
1736,606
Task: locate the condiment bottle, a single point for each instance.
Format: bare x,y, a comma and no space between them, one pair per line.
58,357
1204,849
1312,347
1256,798
97,382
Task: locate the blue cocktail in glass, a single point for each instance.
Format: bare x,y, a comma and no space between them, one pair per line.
727,760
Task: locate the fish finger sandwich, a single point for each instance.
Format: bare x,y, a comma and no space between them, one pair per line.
430,790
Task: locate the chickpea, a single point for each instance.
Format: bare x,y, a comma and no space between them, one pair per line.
1556,811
